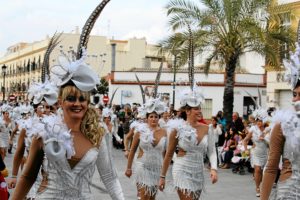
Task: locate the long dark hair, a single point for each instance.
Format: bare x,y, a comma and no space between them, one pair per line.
216,119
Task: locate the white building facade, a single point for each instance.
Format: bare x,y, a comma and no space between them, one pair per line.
213,88
279,93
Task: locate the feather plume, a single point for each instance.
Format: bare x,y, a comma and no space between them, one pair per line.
157,80
191,58
112,97
89,24
141,87
52,44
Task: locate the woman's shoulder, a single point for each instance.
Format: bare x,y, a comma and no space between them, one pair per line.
206,128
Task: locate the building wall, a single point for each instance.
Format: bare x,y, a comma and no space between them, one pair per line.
129,54
212,86
277,89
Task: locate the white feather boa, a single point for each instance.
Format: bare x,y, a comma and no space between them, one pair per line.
290,125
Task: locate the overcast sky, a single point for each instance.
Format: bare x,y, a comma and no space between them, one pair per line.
32,20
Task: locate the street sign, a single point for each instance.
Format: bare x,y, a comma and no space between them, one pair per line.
105,99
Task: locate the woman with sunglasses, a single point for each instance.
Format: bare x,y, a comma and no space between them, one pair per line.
73,142
150,139
194,140
285,142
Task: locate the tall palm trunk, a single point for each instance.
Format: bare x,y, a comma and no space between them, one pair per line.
229,89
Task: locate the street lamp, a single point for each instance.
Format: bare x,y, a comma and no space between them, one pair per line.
4,73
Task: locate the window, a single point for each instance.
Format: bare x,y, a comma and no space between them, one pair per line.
147,63
207,109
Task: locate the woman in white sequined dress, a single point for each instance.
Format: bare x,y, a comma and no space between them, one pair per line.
259,151
150,139
285,143
73,142
194,140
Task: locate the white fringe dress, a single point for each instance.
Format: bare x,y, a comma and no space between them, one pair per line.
259,154
66,183
5,130
290,125
148,167
188,170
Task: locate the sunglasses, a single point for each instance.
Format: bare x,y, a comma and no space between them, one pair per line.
73,99
47,107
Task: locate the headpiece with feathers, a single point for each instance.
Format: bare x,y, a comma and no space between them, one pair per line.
77,72
193,95
155,105
6,108
45,90
39,91
259,113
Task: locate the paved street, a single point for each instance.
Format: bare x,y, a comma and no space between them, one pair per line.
229,187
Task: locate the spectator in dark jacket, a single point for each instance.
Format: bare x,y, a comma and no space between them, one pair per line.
237,122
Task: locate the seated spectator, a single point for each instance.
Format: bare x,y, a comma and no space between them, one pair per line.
229,147
237,122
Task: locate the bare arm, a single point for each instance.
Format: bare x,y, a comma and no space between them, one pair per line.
14,132
134,146
276,149
19,153
247,139
173,141
34,162
128,138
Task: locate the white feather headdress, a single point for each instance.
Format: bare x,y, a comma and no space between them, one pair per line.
76,71
6,108
155,105
261,114
142,112
191,97
39,91
292,67
107,112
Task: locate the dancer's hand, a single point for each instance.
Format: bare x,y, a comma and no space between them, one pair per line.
11,182
213,176
126,153
128,173
161,184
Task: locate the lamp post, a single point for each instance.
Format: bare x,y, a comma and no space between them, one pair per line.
4,74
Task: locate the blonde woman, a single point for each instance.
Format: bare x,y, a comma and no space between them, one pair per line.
72,143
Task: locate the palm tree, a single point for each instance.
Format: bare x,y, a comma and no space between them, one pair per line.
224,29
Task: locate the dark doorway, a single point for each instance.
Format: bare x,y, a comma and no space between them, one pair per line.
248,106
